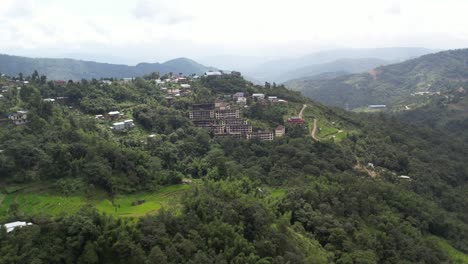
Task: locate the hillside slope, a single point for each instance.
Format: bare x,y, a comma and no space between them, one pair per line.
70,69
443,71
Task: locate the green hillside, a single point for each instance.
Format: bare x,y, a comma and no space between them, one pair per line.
439,72
172,185
69,69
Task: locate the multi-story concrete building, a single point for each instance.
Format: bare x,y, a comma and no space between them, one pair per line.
267,136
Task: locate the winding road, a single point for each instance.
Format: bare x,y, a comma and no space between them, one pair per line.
314,129
302,110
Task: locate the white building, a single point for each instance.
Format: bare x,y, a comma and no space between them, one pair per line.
114,114
12,226
118,126
241,100
258,96
48,100
129,123
185,86
273,99
213,73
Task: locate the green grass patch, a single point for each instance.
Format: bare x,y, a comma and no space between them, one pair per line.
455,255
33,203
278,193
123,206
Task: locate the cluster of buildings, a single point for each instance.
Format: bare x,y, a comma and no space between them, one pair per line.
224,121
117,126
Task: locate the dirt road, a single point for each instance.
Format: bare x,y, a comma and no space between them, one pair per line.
302,110
314,130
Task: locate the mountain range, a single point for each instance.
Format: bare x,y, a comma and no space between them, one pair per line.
71,69
439,72
347,60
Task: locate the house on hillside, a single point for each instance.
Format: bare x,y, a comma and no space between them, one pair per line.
48,100
213,73
273,99
258,96
295,120
280,131
14,225
19,118
113,114
185,86
118,126
129,123
237,95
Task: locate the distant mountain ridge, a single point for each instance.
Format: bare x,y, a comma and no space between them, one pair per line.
347,66
284,69
71,69
443,71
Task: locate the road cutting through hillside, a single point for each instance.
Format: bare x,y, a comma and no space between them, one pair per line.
302,110
314,130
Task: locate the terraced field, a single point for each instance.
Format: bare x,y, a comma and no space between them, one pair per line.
33,203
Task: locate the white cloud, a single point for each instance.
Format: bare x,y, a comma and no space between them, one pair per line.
171,28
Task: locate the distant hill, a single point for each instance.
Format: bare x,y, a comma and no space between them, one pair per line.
346,66
70,69
276,69
443,71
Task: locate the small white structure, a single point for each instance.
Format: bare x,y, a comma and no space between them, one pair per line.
273,99
48,100
185,86
404,177
118,126
1,96
377,106
25,82
241,100
99,116
12,226
213,73
114,114
258,96
129,123
106,82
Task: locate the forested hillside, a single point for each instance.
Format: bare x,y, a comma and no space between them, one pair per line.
337,187
69,69
439,72
448,112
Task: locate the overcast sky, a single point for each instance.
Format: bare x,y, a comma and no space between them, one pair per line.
129,31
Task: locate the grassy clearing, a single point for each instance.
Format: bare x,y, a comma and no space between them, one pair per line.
33,203
278,193
455,255
122,205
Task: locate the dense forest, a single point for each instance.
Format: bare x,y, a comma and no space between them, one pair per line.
290,200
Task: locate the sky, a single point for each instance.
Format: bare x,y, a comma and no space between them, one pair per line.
132,31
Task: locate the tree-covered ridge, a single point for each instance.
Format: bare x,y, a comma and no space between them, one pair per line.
439,72
292,200
70,69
